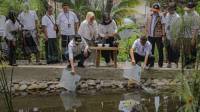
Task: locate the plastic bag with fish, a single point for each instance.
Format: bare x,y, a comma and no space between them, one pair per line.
69,81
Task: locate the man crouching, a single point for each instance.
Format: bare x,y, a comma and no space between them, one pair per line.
141,51
77,50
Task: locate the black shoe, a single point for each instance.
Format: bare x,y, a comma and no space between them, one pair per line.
160,65
81,66
13,64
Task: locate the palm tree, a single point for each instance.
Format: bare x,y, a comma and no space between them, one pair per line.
125,8
118,10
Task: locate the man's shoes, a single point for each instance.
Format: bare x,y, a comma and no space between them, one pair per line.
160,65
13,64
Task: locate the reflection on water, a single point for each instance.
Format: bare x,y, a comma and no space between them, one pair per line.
157,102
100,102
70,101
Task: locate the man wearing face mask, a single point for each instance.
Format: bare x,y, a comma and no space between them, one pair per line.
155,31
77,50
141,51
173,52
68,23
107,31
29,20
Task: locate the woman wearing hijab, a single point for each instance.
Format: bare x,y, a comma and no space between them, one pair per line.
107,31
89,28
11,28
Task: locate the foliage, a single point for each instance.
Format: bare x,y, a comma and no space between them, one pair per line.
123,9
126,43
17,5
119,11
5,88
189,92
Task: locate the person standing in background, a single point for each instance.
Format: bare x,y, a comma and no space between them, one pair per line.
155,31
29,19
173,52
191,27
68,24
3,45
49,28
11,28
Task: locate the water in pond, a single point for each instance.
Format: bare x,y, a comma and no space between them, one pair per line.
98,102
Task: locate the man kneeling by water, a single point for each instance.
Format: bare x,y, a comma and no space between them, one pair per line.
77,50
141,51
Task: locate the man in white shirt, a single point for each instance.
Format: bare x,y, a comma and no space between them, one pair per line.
141,51
49,28
67,22
29,20
77,50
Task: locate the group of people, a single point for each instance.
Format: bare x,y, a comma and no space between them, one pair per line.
76,39
167,29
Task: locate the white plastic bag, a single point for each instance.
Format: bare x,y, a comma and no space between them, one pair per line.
69,81
132,72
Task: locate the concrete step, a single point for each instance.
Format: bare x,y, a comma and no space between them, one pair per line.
53,72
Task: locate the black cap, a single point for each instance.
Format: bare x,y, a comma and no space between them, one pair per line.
191,5
156,6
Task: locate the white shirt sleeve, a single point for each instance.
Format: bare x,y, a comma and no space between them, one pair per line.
134,44
44,21
115,26
149,47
